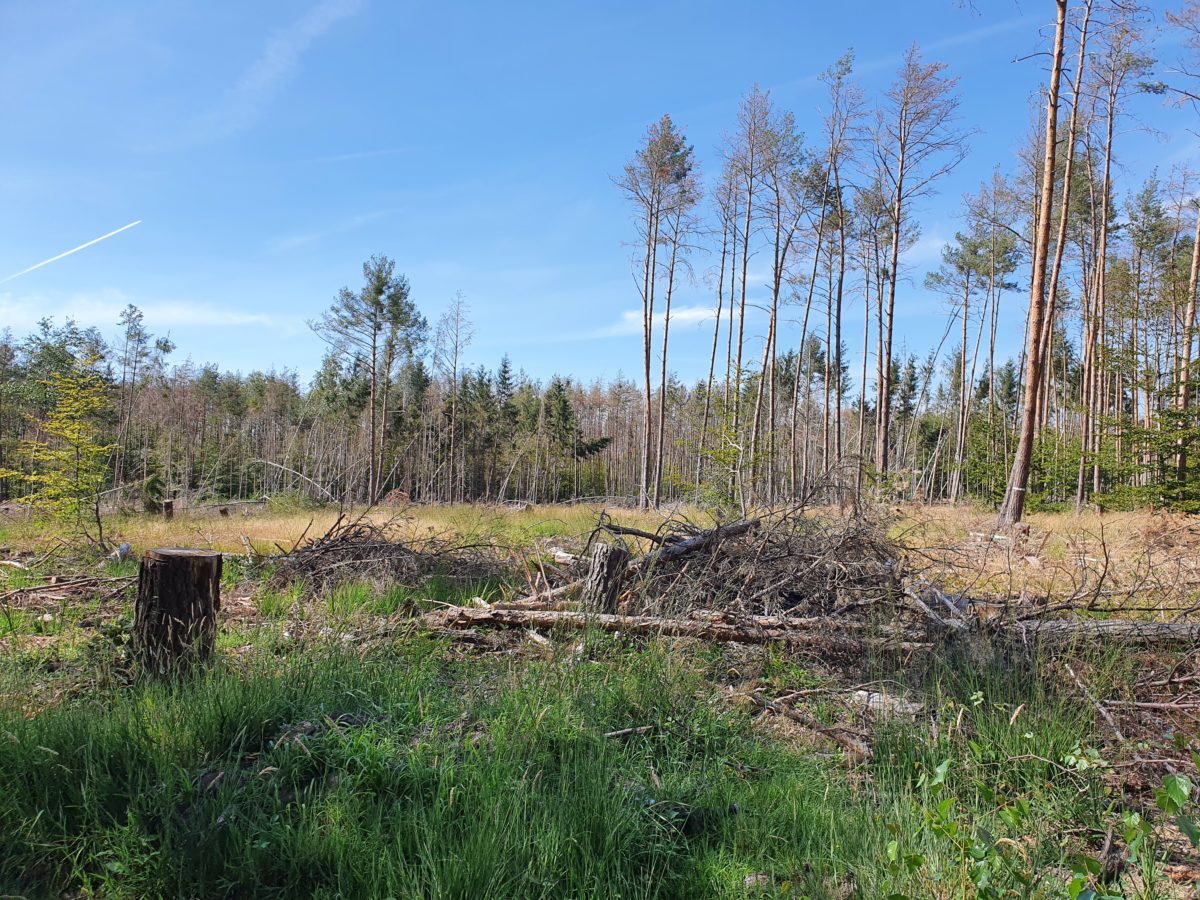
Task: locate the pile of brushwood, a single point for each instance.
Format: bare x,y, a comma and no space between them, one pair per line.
841,591
838,589
359,548
840,585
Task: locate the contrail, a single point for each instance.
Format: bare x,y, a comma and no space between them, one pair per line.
46,262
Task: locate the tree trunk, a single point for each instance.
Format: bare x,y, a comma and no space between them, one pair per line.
1018,480
179,595
606,573
1185,364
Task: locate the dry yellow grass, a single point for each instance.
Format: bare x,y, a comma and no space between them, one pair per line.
1153,553
266,529
1148,553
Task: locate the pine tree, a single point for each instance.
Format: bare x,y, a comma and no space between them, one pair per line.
68,462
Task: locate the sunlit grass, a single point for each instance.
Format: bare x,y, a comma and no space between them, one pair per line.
492,777
269,530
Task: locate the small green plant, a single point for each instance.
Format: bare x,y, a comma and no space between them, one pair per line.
1174,798
1083,759
981,864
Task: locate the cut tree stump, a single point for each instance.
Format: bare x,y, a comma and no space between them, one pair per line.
606,573
175,620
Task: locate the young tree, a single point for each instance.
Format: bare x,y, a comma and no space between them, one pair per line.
964,264
69,460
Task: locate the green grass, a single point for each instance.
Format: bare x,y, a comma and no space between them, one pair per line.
492,778
364,597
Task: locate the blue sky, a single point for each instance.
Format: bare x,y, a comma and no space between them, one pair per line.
268,148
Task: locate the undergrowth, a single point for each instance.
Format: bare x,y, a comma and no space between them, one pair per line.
412,771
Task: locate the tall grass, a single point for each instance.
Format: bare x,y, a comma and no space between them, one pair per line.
482,778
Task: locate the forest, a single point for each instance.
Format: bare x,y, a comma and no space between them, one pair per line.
1106,392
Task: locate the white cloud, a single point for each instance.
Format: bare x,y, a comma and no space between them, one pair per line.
102,308
268,74
631,320
927,251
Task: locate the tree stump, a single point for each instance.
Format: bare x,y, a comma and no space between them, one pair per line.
175,618
606,573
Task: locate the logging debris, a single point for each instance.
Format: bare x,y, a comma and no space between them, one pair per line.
357,547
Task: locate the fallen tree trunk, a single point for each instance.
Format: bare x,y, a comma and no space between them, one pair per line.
1065,631
856,748
817,632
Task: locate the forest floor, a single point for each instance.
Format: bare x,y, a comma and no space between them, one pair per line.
341,746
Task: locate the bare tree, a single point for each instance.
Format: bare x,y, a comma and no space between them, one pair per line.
679,224
783,160
727,212
453,336
917,141
745,155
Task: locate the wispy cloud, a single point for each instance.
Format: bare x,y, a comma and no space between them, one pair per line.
298,240
927,251
46,262
631,320
259,84
102,308
891,60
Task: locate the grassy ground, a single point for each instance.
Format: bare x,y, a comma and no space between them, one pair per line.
415,771
324,756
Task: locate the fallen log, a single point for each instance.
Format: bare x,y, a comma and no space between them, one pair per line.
816,632
542,598
1065,631
628,531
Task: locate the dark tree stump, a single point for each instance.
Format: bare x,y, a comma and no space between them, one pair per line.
175,620
606,574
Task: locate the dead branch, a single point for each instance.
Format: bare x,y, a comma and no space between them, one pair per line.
853,744
821,633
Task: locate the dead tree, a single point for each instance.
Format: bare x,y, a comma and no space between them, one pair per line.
175,622
1018,479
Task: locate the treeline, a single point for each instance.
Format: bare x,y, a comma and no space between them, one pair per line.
1100,405
1098,408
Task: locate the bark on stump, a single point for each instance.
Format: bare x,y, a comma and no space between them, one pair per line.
175,620
606,573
